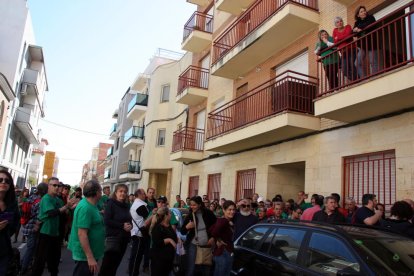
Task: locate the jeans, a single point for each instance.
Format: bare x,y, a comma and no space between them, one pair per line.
137,252
31,241
223,264
82,269
375,63
204,270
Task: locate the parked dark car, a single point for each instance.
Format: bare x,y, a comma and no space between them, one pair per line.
298,248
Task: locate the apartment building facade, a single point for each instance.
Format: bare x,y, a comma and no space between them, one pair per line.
263,117
22,64
94,168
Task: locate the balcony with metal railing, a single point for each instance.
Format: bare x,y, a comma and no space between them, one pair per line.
134,137
197,32
187,145
193,86
32,82
113,132
378,76
232,6
137,106
130,170
279,109
265,28
26,122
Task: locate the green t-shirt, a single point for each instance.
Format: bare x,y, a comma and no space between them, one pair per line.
102,202
50,225
87,216
177,205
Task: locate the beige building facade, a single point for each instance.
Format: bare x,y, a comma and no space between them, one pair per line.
262,117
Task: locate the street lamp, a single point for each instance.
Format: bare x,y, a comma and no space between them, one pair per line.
27,161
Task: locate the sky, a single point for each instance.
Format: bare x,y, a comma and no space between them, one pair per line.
93,50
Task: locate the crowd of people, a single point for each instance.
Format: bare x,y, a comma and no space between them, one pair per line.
99,227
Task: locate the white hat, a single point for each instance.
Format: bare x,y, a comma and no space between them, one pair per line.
260,199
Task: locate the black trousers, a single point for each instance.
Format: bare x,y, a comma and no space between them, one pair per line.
112,259
82,269
137,252
48,250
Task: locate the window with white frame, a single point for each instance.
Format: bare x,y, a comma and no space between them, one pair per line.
165,93
161,137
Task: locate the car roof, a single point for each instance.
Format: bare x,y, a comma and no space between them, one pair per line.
347,230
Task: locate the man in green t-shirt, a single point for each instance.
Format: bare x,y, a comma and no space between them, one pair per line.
88,232
102,202
178,201
48,248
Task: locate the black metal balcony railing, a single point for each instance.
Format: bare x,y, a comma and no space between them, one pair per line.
139,99
249,21
290,91
135,132
134,167
388,44
198,21
110,151
188,138
193,76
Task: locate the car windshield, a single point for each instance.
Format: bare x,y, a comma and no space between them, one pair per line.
392,252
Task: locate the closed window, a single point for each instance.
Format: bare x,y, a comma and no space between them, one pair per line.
328,255
165,93
246,184
161,137
285,245
193,185
214,186
253,237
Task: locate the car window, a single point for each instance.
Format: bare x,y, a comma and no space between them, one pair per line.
252,238
286,244
328,255
268,241
395,253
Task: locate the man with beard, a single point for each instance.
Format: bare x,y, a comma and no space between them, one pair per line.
243,219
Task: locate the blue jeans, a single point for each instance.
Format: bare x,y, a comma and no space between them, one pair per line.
348,64
191,252
30,248
223,264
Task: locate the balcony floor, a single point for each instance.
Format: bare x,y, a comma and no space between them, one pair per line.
277,128
133,142
381,95
192,96
186,156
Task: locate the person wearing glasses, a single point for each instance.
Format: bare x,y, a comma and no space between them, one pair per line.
9,218
48,249
244,218
296,213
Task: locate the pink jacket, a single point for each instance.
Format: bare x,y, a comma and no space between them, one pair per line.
308,213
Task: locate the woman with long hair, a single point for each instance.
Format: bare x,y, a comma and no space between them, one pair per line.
222,231
118,225
9,218
164,243
204,219
330,62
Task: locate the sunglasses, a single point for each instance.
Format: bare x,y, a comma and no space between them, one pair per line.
5,180
245,206
54,185
160,201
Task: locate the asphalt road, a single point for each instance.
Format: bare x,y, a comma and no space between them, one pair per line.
67,264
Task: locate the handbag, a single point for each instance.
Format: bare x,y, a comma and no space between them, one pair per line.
113,244
204,255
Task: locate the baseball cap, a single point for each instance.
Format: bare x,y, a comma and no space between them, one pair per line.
260,199
163,198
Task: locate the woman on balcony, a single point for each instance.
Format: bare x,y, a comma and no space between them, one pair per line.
343,37
363,26
329,58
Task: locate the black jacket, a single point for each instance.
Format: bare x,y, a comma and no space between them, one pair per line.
8,231
335,217
370,42
116,214
401,226
209,219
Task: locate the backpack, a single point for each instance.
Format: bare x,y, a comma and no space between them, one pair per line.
26,210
